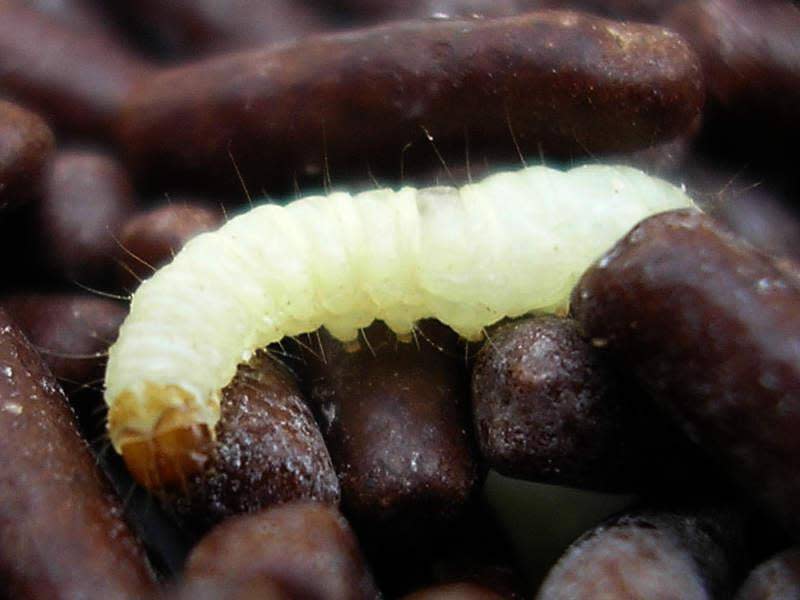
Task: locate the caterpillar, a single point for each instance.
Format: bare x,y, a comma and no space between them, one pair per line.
514,243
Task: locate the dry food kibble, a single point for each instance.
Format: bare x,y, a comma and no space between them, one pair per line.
61,529
307,548
88,196
223,588
150,239
547,406
77,80
776,579
711,328
71,331
394,417
26,144
751,58
81,15
267,450
565,83
692,554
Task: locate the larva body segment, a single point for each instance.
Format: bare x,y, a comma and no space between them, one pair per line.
511,244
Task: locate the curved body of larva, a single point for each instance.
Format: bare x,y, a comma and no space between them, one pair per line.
511,244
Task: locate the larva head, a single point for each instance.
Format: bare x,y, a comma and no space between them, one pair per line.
160,453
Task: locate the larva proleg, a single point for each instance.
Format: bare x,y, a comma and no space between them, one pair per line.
514,243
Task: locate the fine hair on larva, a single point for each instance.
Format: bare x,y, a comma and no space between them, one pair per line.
512,244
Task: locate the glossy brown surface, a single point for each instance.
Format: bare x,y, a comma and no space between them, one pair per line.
548,407
711,328
776,579
150,239
26,144
569,84
688,555
88,196
81,15
751,58
307,548
268,450
394,417
71,331
77,80
61,529
223,588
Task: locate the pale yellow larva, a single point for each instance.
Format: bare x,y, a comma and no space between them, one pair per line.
511,244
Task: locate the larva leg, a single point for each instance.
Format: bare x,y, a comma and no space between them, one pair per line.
512,244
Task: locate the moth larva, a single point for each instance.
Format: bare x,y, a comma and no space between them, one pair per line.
514,243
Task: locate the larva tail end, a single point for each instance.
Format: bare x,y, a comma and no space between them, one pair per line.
167,459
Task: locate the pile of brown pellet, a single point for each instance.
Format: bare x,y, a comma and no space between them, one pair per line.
645,446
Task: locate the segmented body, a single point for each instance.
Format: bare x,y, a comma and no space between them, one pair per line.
511,244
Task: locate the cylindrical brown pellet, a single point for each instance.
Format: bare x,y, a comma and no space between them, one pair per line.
687,555
25,146
268,450
711,328
61,529
77,80
71,331
751,58
191,27
393,416
150,239
548,407
776,579
88,197
565,84
306,548
222,588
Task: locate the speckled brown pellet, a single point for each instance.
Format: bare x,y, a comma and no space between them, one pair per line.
307,548
71,331
77,80
223,588
687,555
711,328
87,198
81,15
568,83
26,144
268,450
61,529
148,240
776,579
548,407
394,417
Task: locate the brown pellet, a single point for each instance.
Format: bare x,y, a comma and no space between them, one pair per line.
71,331
26,144
658,555
548,407
149,240
223,588
61,529
565,83
711,328
267,450
88,196
394,417
306,548
751,58
77,80
776,579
